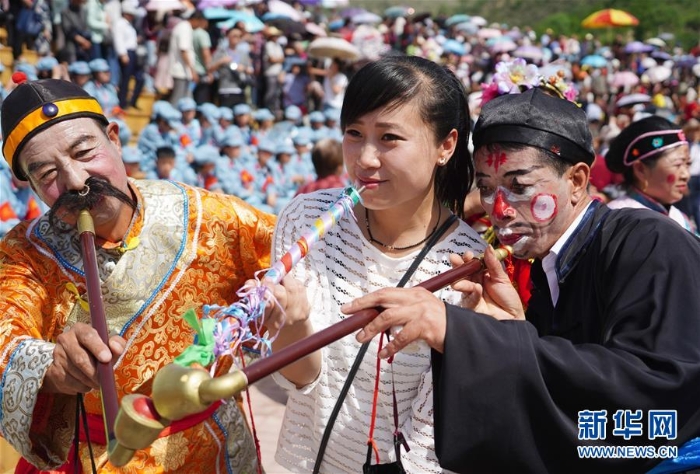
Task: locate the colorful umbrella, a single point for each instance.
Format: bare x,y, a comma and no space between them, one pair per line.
609,17
164,5
251,22
638,47
351,12
288,26
459,18
397,11
658,42
648,62
332,47
366,18
594,60
467,27
657,74
633,99
314,29
454,47
280,8
531,52
215,3
662,55
625,79
486,33
503,46
478,20
219,13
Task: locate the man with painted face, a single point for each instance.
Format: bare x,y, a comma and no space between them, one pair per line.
162,248
611,331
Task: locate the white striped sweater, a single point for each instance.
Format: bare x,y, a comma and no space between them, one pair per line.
340,268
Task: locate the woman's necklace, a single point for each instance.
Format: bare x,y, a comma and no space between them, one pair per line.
391,247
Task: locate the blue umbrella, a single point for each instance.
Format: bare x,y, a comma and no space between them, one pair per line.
594,60
454,47
459,18
687,60
397,11
273,16
251,22
218,13
467,27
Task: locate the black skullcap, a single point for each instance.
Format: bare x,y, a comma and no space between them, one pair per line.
536,118
34,106
641,140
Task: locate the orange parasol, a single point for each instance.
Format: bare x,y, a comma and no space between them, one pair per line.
609,17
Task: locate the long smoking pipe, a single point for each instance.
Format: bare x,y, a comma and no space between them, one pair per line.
179,392
105,371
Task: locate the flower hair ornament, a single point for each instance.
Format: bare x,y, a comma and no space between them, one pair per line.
516,76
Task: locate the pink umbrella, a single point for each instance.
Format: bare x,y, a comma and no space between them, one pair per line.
164,5
503,46
533,53
624,79
285,9
215,3
315,29
486,33
478,20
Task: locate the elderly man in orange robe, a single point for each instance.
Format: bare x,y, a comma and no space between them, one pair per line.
162,248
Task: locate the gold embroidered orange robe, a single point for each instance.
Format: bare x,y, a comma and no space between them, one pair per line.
187,248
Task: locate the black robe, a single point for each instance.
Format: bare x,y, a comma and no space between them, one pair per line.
625,334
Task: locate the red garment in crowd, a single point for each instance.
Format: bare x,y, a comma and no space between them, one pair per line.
601,176
329,182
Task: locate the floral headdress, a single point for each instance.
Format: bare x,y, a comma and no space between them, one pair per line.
516,76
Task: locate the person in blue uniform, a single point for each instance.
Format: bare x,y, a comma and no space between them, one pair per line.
260,178
209,115
232,165
101,87
46,67
190,124
79,73
241,119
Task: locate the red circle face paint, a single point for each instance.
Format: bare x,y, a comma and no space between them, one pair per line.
670,179
543,207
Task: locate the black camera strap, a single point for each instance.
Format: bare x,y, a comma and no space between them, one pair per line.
363,349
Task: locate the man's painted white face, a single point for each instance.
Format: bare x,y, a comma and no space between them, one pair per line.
529,203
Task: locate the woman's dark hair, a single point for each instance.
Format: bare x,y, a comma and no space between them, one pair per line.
442,100
628,172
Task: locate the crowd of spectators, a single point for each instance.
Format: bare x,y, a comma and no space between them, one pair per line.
241,107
